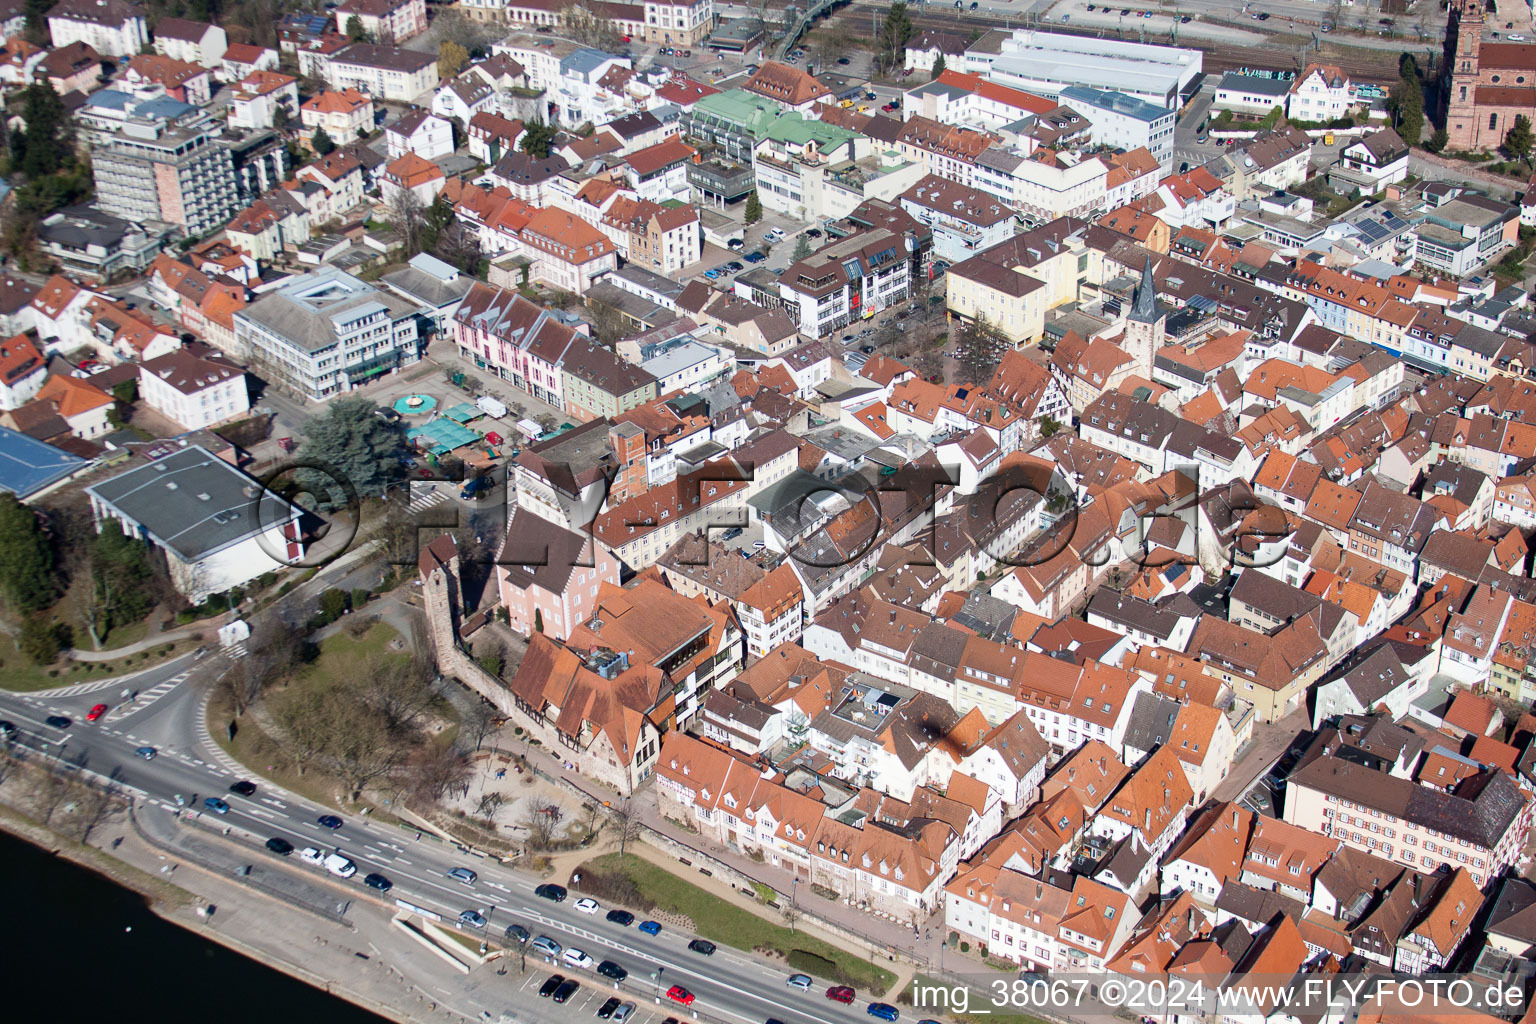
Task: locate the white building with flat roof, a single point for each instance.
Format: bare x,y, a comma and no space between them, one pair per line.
1124,122
327,332
1045,63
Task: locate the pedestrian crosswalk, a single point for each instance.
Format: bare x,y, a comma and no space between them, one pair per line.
80,688
147,698
423,497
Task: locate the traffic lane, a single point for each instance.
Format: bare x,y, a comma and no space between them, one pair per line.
722,981
423,878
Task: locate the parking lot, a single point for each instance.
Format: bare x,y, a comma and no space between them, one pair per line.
589,998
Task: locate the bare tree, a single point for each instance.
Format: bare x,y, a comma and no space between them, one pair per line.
625,821
270,654
94,802
489,804
583,25
439,770
791,910
476,724
542,821
54,786
367,752
459,244
399,690
407,216
978,348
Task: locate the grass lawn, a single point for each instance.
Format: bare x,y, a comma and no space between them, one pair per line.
19,674
729,924
258,751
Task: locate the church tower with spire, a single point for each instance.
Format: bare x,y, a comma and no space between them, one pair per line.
1145,327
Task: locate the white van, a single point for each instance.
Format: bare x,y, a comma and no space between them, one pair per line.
340,866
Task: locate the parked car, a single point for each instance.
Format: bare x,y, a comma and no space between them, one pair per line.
516,933
577,958
621,917
609,969
566,990
734,265
650,927
843,61
713,273
280,846
550,891
702,946
546,945
551,983
840,994
800,981
473,918
606,1010
754,257
678,994
464,875
310,855
884,1011
588,905
623,1013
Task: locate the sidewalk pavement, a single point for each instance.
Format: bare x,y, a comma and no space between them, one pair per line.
885,937
386,973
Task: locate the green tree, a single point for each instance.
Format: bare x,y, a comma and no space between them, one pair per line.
451,59
26,559
41,639
321,142
351,441
538,620
802,248
754,211
333,603
1438,141
126,391
938,67
1518,139
37,21
355,30
538,138
120,578
1408,101
48,141
894,34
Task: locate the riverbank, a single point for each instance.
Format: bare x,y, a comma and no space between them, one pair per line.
258,934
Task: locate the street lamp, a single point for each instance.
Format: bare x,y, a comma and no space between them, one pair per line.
656,984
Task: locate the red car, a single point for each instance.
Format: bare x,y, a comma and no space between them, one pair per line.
678,994
96,712
494,437
840,993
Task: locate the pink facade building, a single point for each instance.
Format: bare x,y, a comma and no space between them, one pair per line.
549,576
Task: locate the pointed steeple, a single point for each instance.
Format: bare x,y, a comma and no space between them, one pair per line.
1144,306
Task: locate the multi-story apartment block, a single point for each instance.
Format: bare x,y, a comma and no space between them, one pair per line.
383,72
162,170
113,28
385,21
193,390
325,333
863,273
1480,824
